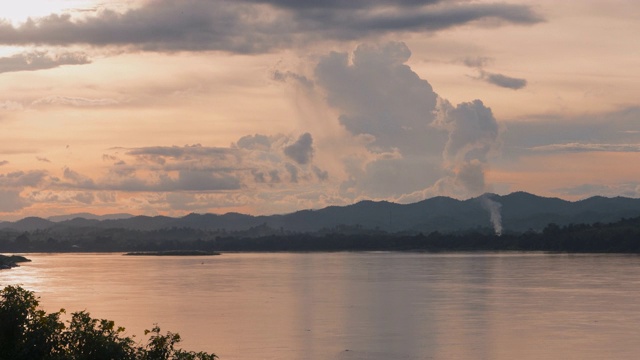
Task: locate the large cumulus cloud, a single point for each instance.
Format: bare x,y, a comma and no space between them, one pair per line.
419,144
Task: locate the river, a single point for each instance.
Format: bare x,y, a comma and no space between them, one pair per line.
358,305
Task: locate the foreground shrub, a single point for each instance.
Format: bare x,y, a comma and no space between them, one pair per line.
27,333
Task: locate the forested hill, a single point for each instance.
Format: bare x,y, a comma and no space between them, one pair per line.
520,212
622,236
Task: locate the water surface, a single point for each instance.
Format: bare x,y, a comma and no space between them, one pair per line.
358,305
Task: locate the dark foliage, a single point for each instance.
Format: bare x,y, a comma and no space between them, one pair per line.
27,333
620,237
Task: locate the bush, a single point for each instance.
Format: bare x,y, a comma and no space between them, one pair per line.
27,333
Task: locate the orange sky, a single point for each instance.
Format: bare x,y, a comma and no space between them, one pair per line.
269,106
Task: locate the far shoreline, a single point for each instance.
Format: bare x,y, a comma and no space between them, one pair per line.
173,253
11,261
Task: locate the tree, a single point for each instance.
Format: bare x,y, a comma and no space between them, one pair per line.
27,332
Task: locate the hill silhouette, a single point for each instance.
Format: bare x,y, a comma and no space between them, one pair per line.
520,212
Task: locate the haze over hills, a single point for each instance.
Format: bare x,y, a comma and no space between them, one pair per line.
89,216
519,212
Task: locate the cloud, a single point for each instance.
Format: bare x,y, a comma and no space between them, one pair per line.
322,175
477,62
338,4
3,162
472,129
21,179
473,135
201,180
615,131
39,60
500,80
254,142
253,26
73,101
416,142
84,197
254,161
283,76
11,106
588,147
503,80
10,200
379,95
81,181
42,159
302,150
293,172
14,183
631,189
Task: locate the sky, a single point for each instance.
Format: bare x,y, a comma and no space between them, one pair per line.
273,106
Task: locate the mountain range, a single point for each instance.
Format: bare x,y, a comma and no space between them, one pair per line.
519,212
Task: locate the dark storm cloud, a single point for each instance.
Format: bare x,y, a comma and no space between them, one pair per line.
39,60
254,26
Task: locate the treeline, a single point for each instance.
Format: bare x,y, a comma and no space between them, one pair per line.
622,237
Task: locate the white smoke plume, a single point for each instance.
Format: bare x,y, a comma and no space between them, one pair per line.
494,212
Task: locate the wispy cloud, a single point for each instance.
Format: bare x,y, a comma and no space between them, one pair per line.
587,147
615,131
73,101
503,80
631,189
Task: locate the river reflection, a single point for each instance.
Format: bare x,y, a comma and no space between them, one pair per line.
358,305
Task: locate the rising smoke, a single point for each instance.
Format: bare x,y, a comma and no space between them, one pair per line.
494,212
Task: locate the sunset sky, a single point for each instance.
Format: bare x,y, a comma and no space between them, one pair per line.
272,106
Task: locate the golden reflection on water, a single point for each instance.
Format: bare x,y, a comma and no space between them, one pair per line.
358,305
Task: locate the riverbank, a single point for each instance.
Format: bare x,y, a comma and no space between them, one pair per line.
174,253
8,262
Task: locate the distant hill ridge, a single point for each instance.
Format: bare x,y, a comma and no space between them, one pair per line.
520,211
